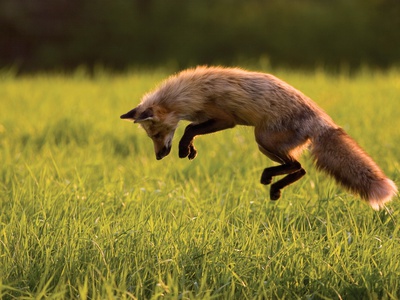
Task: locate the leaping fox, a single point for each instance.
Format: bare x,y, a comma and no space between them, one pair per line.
285,122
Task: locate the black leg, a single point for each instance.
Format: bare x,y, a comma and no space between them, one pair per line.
186,147
275,192
281,146
192,151
284,169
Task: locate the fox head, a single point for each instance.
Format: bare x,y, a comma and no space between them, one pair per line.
159,124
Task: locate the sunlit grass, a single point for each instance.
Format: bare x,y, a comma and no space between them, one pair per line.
87,212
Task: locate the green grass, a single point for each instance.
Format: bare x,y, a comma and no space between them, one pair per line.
87,212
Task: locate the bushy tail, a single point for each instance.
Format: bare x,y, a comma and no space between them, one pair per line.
338,154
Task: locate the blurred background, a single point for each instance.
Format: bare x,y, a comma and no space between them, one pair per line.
37,35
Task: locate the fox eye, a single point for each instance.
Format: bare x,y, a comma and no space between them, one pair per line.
157,136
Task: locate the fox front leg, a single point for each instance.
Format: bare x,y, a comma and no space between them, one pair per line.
192,151
186,147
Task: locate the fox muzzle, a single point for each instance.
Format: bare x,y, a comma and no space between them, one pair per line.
163,152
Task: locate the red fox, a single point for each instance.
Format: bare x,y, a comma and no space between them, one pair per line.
285,122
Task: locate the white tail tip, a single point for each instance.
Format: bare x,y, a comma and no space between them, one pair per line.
381,192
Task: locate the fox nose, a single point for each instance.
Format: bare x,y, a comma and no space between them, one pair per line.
163,152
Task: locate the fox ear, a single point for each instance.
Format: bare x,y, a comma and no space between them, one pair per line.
147,115
130,115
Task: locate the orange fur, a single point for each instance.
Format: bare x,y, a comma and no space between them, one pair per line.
339,155
285,122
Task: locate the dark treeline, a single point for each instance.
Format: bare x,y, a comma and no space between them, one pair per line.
119,34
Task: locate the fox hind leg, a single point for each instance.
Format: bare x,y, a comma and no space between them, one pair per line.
286,168
275,191
289,165
293,170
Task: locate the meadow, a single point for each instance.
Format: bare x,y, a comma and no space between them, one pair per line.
88,213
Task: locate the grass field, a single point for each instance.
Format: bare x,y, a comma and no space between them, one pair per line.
88,213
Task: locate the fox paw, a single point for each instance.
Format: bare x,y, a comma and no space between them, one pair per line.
189,151
266,178
192,152
274,194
